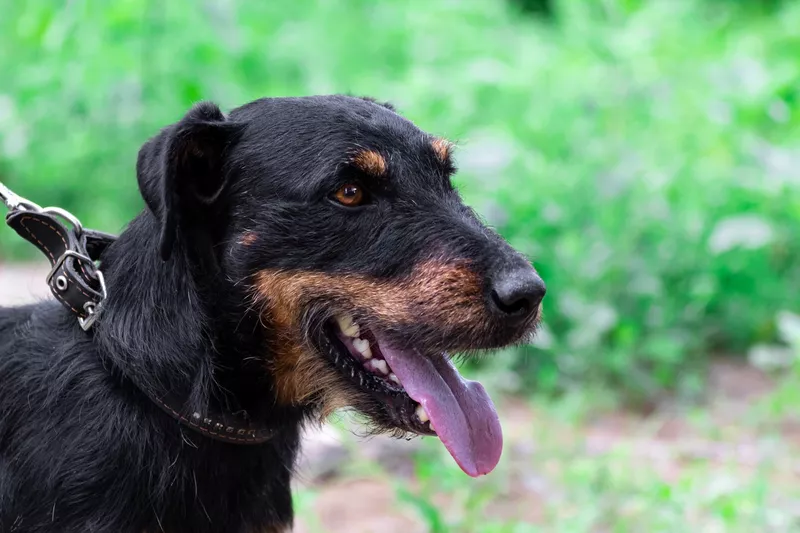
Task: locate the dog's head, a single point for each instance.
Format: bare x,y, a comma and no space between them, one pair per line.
363,263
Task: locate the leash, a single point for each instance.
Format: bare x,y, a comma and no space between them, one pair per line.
75,279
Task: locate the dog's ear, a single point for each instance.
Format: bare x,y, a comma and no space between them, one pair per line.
181,171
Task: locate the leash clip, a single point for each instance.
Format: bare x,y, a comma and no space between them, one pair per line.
15,202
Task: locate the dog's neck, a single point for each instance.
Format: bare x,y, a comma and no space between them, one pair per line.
173,326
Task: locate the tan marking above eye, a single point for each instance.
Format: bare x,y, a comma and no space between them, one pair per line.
442,147
370,162
350,195
248,238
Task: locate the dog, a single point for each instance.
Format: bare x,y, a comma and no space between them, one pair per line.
295,256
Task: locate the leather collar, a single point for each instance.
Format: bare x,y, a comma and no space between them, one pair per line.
235,428
75,279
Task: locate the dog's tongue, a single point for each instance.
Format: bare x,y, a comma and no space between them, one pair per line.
461,412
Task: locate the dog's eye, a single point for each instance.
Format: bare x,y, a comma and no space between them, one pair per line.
350,195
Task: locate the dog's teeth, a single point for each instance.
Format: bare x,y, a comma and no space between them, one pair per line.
381,366
362,345
393,378
344,321
377,366
347,326
422,414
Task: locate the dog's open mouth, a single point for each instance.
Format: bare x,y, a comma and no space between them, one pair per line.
423,393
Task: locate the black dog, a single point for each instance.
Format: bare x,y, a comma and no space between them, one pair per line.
297,256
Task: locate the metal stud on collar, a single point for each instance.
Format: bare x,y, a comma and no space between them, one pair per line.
61,283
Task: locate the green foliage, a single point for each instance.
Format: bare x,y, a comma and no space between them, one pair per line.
644,154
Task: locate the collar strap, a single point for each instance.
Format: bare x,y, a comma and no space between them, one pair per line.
235,428
76,281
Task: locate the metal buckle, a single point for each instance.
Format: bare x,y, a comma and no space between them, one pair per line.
91,309
64,256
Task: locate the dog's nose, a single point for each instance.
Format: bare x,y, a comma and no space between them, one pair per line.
517,293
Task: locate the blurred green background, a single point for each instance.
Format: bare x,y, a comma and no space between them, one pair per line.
644,153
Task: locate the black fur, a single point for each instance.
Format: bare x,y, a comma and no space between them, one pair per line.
82,449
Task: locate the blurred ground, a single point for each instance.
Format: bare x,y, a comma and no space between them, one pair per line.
22,282
731,466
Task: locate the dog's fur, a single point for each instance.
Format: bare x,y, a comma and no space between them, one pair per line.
219,291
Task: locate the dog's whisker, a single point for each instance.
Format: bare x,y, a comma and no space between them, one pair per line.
187,440
158,519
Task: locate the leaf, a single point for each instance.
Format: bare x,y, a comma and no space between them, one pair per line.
789,329
745,231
